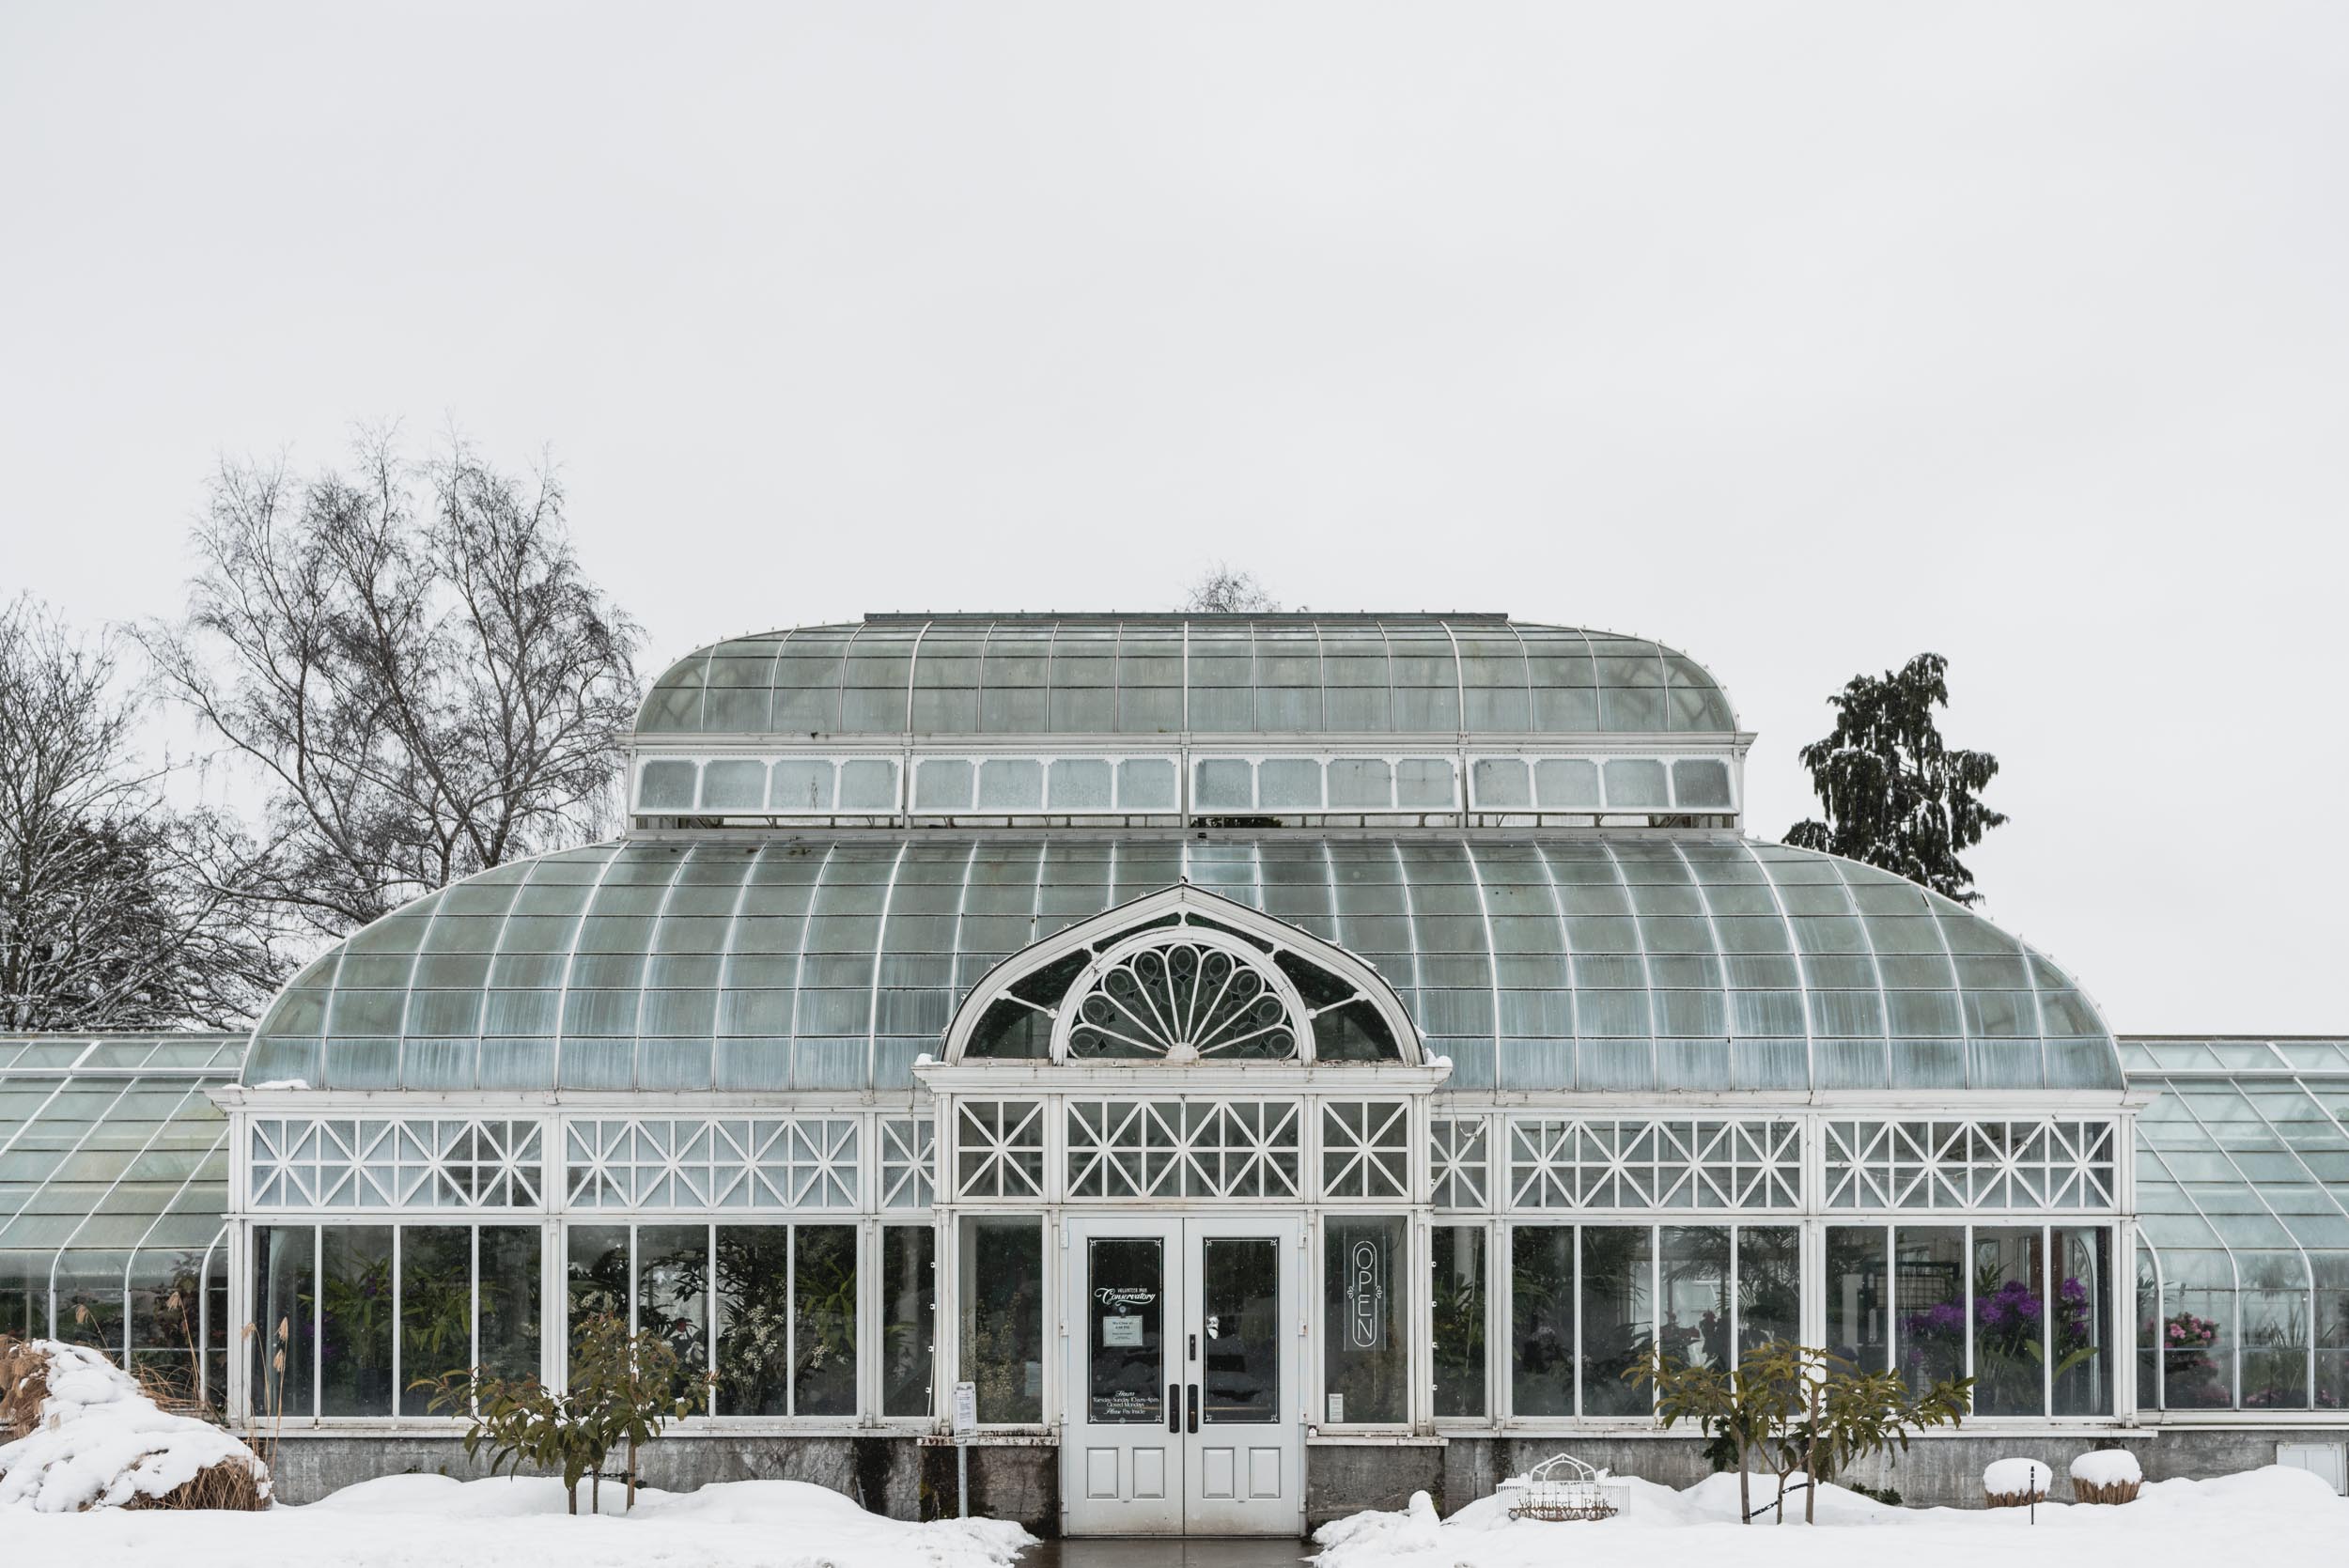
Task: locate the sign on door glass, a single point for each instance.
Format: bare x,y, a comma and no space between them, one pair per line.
1128,1382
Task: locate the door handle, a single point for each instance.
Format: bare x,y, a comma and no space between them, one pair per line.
1174,1407
1194,1406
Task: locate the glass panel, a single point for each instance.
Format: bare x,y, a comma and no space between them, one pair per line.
1769,1285
1701,784
1635,782
1360,782
1366,1364
1289,783
754,1328
1145,783
2332,1348
1003,1316
598,1279
1224,784
1425,783
1010,784
1500,782
734,784
355,1320
1125,1357
1618,1317
509,1301
2010,1319
868,784
283,1336
1457,1264
1566,784
941,783
1929,1303
2083,1316
1240,1306
673,1296
435,1309
801,785
665,786
2196,1372
2148,1332
1696,1316
1080,784
1541,1329
909,1309
2275,1336
823,1320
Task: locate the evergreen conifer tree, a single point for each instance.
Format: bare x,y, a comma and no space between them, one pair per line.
1894,795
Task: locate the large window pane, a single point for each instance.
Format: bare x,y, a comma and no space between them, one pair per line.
1858,1318
753,1306
823,1308
435,1309
1240,1360
1456,1260
1367,1360
166,1308
2011,1311
2332,1332
2148,1334
1696,1316
909,1309
509,1301
2082,1313
355,1320
1541,1329
1618,1317
673,1296
2198,1343
1002,1286
1125,1347
600,1278
1929,1303
1769,1285
285,1271
2274,1312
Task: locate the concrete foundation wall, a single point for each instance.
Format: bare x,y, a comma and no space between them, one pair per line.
914,1479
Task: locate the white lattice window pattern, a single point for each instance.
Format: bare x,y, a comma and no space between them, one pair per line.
1574,1163
906,1180
1365,1149
2039,1164
395,1163
1459,1154
728,1163
1184,995
1178,1148
999,1148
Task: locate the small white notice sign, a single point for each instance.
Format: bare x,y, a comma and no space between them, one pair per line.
1337,1409
965,1407
1125,1330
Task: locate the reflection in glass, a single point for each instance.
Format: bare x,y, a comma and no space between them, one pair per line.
1003,1316
355,1320
754,1332
908,1308
285,1338
1929,1296
509,1301
1240,1306
1456,1266
2011,1315
2197,1372
1618,1317
1541,1347
435,1309
1858,1318
1124,1312
598,1280
823,1320
1769,1285
2083,1311
1366,1363
673,1297
1696,1319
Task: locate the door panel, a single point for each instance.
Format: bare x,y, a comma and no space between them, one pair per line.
1242,1348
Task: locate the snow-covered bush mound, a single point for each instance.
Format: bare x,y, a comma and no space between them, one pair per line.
2105,1475
84,1437
2014,1482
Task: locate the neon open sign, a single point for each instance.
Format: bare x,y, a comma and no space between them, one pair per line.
1365,1295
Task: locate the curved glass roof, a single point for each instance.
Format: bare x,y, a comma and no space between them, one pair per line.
1698,963
1204,674
113,1173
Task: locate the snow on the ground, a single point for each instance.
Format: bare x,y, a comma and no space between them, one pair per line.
101,1442
430,1521
2284,1517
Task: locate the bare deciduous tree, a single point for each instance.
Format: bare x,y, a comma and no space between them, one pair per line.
1223,591
116,912
412,655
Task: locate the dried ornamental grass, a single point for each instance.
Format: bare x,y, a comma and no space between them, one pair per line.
2106,1476
80,1434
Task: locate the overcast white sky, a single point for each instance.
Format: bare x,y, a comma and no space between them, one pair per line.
1802,337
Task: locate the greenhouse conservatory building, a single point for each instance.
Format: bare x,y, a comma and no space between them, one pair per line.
1276,1063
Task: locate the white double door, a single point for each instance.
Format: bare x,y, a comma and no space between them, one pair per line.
1184,1413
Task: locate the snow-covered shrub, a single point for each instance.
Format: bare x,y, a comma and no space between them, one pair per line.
2105,1475
2015,1482
80,1434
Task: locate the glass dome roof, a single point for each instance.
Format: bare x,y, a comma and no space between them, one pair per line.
1204,674
1694,963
